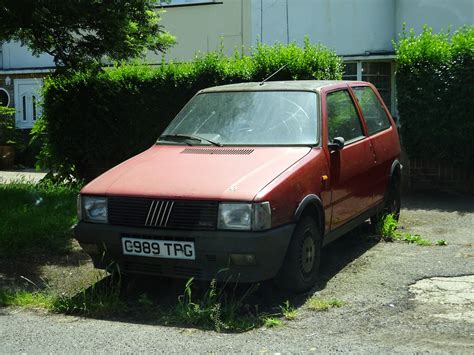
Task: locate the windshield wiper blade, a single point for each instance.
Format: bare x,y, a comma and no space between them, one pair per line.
190,136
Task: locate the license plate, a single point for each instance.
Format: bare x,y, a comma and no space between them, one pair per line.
167,249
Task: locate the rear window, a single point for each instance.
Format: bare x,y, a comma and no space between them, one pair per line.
372,110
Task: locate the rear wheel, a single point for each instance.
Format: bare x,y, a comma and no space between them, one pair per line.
392,204
299,271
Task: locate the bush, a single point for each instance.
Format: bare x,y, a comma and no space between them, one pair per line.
94,120
435,102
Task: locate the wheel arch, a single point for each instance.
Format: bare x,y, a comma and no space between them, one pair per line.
313,206
396,170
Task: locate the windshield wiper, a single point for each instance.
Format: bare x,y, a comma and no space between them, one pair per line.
188,136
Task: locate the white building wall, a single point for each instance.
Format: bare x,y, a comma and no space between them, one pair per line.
350,27
438,14
353,27
16,56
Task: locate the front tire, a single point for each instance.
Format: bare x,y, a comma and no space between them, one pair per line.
299,271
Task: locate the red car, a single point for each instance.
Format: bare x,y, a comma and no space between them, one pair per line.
248,183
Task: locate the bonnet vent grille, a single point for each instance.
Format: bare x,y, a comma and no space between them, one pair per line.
218,151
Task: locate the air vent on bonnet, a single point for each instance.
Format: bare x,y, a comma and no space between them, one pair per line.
218,151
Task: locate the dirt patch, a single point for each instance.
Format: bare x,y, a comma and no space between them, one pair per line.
448,297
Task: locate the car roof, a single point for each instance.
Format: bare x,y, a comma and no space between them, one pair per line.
290,85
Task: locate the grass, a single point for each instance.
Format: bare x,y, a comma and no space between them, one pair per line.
36,217
288,311
222,309
99,300
388,231
319,304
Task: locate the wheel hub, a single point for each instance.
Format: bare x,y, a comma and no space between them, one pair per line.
307,253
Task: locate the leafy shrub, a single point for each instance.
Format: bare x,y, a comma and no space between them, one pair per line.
94,120
434,87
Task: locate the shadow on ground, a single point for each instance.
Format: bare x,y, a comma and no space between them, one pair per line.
438,201
148,300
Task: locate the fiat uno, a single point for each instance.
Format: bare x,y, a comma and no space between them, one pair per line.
248,183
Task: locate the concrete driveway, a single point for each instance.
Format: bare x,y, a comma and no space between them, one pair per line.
398,297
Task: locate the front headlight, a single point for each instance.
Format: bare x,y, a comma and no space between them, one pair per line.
244,216
94,209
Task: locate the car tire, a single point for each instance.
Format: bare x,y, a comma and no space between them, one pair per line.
392,204
299,271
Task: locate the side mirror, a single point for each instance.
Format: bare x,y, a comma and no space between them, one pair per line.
336,144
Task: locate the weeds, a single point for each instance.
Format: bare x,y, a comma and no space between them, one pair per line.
271,322
320,304
387,229
220,309
288,311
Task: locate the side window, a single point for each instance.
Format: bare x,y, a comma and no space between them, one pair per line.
343,120
374,114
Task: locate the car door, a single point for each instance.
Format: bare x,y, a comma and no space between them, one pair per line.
380,129
350,181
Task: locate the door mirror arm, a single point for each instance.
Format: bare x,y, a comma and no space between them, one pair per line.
336,144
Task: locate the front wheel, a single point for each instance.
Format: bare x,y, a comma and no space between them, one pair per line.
299,271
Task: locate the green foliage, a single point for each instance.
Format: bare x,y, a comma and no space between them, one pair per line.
434,86
49,211
319,304
272,322
7,125
219,309
81,33
288,311
387,229
92,121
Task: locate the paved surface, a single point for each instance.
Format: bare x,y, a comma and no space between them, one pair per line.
452,297
399,298
25,175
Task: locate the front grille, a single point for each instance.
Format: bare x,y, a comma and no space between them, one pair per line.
169,214
161,269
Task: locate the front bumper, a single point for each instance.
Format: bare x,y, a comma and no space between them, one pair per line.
213,249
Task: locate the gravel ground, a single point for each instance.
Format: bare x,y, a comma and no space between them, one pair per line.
386,310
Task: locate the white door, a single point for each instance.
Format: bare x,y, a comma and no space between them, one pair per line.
27,102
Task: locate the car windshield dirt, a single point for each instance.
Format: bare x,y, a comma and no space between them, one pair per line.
246,118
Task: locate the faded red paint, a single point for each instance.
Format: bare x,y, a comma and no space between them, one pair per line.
358,175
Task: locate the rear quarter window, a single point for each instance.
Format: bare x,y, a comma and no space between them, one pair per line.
374,114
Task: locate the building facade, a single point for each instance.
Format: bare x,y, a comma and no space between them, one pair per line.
361,31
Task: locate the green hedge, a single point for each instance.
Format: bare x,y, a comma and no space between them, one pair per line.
94,120
435,83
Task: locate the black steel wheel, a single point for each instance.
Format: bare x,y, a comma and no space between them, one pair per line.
299,271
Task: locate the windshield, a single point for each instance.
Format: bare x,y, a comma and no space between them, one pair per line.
246,118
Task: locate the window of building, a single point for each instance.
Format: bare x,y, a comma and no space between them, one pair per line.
4,97
350,71
343,120
378,73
